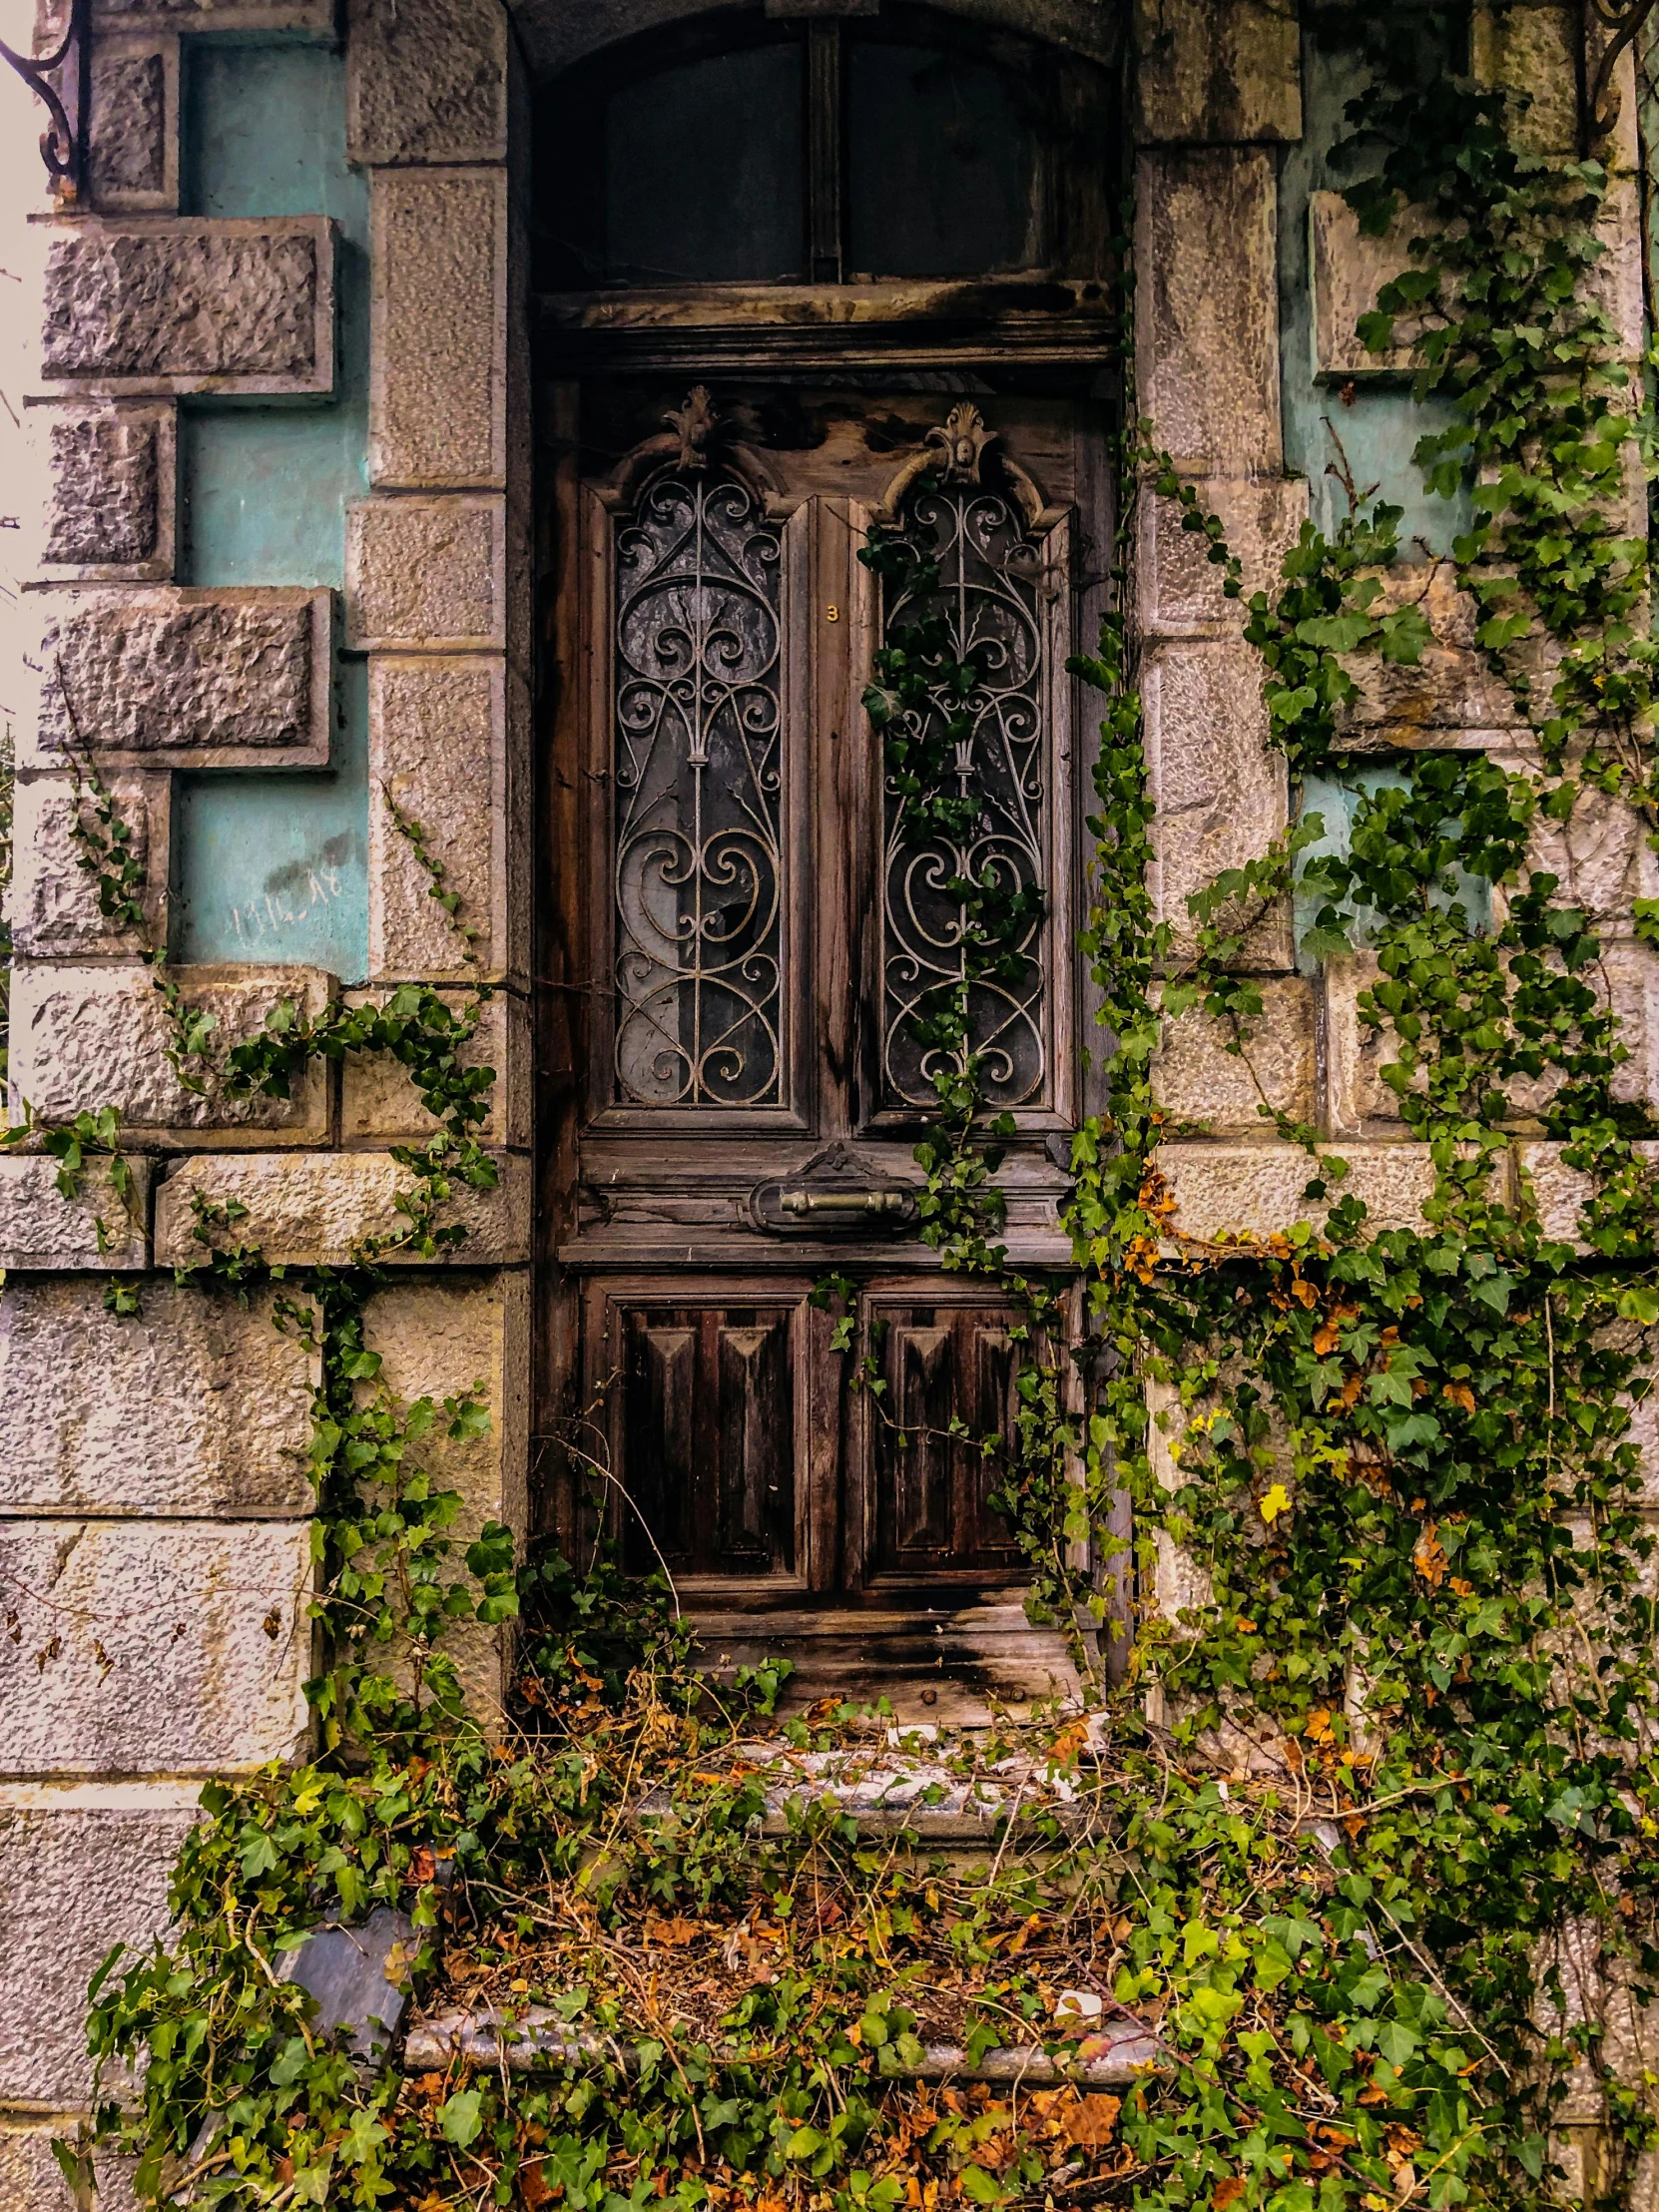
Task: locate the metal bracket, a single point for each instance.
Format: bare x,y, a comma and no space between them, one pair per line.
63,141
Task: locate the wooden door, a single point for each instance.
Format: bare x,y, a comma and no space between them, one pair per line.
744,929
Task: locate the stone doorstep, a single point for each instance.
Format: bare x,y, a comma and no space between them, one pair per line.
538,2040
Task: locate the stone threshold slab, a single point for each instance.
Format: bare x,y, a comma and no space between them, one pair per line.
538,2040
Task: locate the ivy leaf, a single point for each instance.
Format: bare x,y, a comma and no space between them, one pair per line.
461,2118
979,2185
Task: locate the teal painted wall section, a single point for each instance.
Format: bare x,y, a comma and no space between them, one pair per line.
1334,799
276,868
1379,431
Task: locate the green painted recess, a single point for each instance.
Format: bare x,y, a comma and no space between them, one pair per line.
1381,426
1335,798
276,868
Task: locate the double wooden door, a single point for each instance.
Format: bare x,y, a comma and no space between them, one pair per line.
746,926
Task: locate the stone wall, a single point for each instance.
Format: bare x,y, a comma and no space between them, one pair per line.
154,1497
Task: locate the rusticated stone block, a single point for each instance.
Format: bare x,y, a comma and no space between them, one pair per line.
426,82
1533,50
87,1037
1449,696
81,1867
438,329
379,1101
201,1405
1357,1099
160,677
1349,269
1558,1194
314,1209
31,2179
166,304
133,149
113,501
439,1338
1178,589
1207,352
53,901
1220,796
41,1228
1214,75
1195,1078
312,21
426,573
1252,1192
437,744
153,1647
1599,855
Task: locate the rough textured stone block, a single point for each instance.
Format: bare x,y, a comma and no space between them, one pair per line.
1348,271
426,82
1207,352
1558,1194
313,1209
83,1868
86,1037
40,1228
1357,1099
1216,74
1178,589
155,676
1221,796
438,344
437,1339
1601,856
437,743
133,142
169,304
1534,51
147,1647
30,2178
426,573
379,1101
1252,1192
113,501
201,1405
312,21
52,902
1195,1078
1447,697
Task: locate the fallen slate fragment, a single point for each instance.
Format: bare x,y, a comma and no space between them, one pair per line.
540,2039
359,1978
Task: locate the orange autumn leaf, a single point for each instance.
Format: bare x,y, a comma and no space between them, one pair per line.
1459,1394
1091,2122
1429,1558
1228,2189
1318,1728
1326,1337
672,1932
534,2186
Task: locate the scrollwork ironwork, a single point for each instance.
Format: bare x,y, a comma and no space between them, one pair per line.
699,779
987,589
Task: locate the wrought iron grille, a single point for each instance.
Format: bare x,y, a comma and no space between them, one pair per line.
988,588
699,882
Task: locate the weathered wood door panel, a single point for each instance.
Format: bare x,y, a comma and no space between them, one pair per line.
745,928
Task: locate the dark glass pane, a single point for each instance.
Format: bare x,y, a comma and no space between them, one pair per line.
704,171
942,165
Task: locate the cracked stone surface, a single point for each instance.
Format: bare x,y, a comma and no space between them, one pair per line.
153,1647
